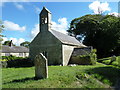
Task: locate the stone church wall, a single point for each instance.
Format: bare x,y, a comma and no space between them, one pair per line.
47,44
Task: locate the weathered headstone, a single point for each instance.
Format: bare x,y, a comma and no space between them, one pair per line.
41,66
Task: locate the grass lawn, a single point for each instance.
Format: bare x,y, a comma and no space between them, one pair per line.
97,76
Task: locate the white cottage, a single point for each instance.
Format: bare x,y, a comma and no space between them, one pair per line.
18,51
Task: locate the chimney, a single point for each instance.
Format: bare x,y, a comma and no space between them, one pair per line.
10,43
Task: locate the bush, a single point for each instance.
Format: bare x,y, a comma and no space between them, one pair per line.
12,61
11,57
85,59
118,59
115,61
4,64
93,56
89,59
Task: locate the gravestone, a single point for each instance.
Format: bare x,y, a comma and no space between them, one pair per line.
41,66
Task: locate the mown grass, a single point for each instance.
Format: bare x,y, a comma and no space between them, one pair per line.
82,76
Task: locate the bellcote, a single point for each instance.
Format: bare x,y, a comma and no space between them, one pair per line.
45,19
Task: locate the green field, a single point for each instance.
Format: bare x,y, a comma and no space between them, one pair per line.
97,76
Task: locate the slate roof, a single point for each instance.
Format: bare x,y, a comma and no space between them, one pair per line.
66,39
44,8
14,49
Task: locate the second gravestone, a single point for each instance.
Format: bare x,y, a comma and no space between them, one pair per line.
41,67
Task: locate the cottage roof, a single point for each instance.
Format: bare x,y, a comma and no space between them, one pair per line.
66,39
14,49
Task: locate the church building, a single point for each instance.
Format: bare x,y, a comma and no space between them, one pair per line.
55,46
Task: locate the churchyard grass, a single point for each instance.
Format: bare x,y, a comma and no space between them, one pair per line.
81,76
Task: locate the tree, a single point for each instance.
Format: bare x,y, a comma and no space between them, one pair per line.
25,44
100,31
1,29
8,43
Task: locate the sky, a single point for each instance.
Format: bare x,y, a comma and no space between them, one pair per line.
21,19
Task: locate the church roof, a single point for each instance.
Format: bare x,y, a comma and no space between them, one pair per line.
14,49
66,39
44,8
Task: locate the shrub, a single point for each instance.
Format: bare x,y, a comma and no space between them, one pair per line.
11,57
113,58
4,64
93,56
13,61
89,59
118,59
110,60
84,59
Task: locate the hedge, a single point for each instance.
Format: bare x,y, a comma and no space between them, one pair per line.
12,61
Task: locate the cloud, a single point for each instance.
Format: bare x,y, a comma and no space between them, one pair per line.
61,26
97,7
4,39
19,6
114,14
13,26
15,2
37,10
35,30
17,41
14,40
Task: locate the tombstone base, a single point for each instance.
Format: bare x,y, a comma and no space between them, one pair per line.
37,78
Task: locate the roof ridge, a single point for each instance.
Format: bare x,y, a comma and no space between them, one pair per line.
14,49
66,39
62,33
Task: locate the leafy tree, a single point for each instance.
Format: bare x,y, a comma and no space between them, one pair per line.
100,31
25,44
8,43
1,29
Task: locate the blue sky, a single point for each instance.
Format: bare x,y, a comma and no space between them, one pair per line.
21,18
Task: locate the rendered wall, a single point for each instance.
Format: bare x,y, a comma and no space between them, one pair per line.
66,51
17,54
